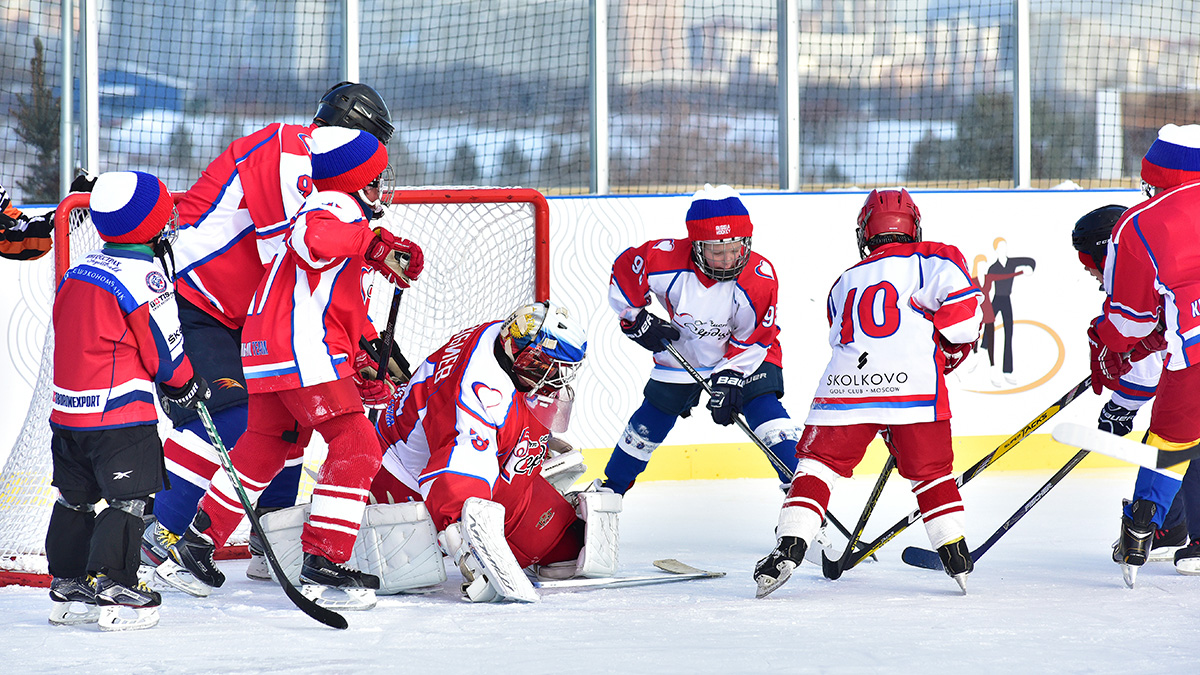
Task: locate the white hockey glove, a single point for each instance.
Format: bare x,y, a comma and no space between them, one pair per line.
563,466
477,545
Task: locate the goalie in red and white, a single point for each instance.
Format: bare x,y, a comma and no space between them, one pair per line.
468,435
301,335
899,321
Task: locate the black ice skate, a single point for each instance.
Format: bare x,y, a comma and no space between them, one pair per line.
1168,540
1137,533
956,560
74,601
772,571
336,586
1187,559
126,608
190,566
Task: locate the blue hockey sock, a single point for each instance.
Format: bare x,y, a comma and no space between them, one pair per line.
281,493
768,419
1157,488
647,428
176,507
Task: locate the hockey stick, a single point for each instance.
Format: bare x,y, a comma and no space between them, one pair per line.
1119,447
677,572
923,557
306,605
832,569
901,525
777,463
388,337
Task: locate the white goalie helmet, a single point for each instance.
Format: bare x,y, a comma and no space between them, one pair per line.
544,347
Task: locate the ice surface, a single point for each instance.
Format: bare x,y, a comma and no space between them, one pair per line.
1046,598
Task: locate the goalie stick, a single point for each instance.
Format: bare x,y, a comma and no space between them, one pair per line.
923,557
322,614
741,423
1012,441
678,571
1119,447
832,569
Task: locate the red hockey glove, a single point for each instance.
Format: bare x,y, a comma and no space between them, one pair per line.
375,393
399,260
1107,365
954,354
1154,342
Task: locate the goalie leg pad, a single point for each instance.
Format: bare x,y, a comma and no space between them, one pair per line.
282,529
601,545
490,570
398,544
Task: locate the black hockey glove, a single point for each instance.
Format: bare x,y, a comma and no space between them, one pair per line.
649,331
726,400
83,183
187,396
1116,419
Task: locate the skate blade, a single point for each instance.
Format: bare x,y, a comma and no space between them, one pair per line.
1129,572
346,599
768,585
179,578
73,613
121,617
258,569
962,581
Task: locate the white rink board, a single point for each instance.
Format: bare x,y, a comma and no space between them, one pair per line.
810,240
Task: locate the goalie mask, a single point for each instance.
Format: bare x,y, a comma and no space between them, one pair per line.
719,228
355,106
887,216
542,348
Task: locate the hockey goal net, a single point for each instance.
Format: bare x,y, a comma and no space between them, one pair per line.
486,252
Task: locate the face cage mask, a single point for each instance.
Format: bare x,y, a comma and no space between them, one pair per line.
721,274
385,183
542,374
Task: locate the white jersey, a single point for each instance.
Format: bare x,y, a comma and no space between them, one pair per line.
886,314
1137,387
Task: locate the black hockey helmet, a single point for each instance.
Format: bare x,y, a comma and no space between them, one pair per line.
356,106
1091,234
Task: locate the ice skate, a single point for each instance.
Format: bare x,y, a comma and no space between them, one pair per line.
74,601
772,571
125,608
1167,541
1133,547
336,586
156,539
956,560
190,566
258,568
1187,559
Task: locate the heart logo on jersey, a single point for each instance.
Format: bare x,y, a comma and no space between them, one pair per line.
490,398
764,269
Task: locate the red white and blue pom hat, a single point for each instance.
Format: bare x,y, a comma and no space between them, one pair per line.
1173,158
717,214
346,160
130,207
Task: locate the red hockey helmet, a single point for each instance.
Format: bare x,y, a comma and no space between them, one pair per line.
887,212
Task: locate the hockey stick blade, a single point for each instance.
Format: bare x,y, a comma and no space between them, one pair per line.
326,616
624,582
923,557
675,567
1119,447
832,569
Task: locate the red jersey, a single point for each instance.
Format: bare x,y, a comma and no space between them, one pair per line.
461,429
118,333
233,220
722,324
1152,274
310,309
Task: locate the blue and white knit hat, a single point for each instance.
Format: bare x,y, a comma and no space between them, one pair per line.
346,160
1174,157
717,213
130,207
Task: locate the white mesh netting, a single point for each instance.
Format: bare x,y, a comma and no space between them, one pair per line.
481,250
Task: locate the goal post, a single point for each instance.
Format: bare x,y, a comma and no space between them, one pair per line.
487,251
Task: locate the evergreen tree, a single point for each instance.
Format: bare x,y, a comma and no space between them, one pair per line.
37,124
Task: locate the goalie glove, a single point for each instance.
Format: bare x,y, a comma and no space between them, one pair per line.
193,392
375,393
397,259
1116,419
726,400
649,331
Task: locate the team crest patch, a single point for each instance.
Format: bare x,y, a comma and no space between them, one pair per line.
156,282
545,519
